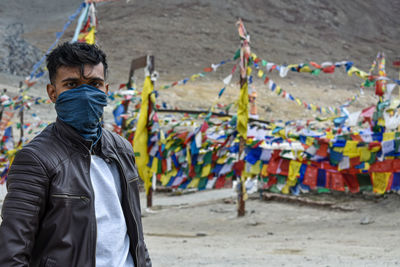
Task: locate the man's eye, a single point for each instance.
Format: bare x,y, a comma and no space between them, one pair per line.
96,84
71,84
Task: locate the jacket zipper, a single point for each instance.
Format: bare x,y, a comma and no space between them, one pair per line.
68,196
94,225
130,208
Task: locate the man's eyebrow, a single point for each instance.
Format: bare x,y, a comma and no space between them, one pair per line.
77,79
70,80
96,79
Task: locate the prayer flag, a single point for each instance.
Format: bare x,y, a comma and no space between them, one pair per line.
243,112
141,136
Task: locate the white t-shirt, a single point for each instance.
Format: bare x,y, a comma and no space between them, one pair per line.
112,247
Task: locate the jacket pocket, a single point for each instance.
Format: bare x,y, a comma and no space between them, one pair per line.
135,178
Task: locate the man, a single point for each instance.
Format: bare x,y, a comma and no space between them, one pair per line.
73,196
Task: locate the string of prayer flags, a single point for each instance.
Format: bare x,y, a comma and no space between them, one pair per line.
314,107
194,77
325,67
58,37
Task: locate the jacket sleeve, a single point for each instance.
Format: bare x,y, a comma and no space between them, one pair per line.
24,204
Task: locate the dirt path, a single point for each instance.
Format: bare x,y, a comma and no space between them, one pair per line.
272,234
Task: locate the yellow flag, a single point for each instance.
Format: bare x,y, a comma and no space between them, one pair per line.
90,37
350,149
11,154
264,171
380,181
166,177
205,171
222,160
194,76
141,136
243,111
154,165
358,72
365,154
294,169
305,69
387,136
244,191
313,107
285,189
194,183
352,70
256,168
309,141
329,135
188,156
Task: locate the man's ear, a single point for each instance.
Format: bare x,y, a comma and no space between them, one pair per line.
106,88
51,92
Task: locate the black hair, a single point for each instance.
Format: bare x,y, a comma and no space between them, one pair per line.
75,55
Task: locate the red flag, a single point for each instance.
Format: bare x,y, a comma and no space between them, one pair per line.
335,181
382,166
396,165
283,168
379,87
351,181
310,177
204,127
329,69
238,167
355,161
315,65
271,181
220,182
323,150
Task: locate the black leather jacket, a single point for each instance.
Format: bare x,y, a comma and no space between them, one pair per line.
48,213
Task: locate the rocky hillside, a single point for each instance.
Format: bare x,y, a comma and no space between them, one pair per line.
186,36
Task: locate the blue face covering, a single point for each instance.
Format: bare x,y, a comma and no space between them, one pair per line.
82,108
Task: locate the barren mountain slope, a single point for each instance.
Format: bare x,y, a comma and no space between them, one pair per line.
186,36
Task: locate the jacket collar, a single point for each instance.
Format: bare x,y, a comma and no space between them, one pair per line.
72,138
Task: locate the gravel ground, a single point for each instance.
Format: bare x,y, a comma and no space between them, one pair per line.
202,229
208,233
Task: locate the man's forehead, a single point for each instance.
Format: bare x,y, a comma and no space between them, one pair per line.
89,71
